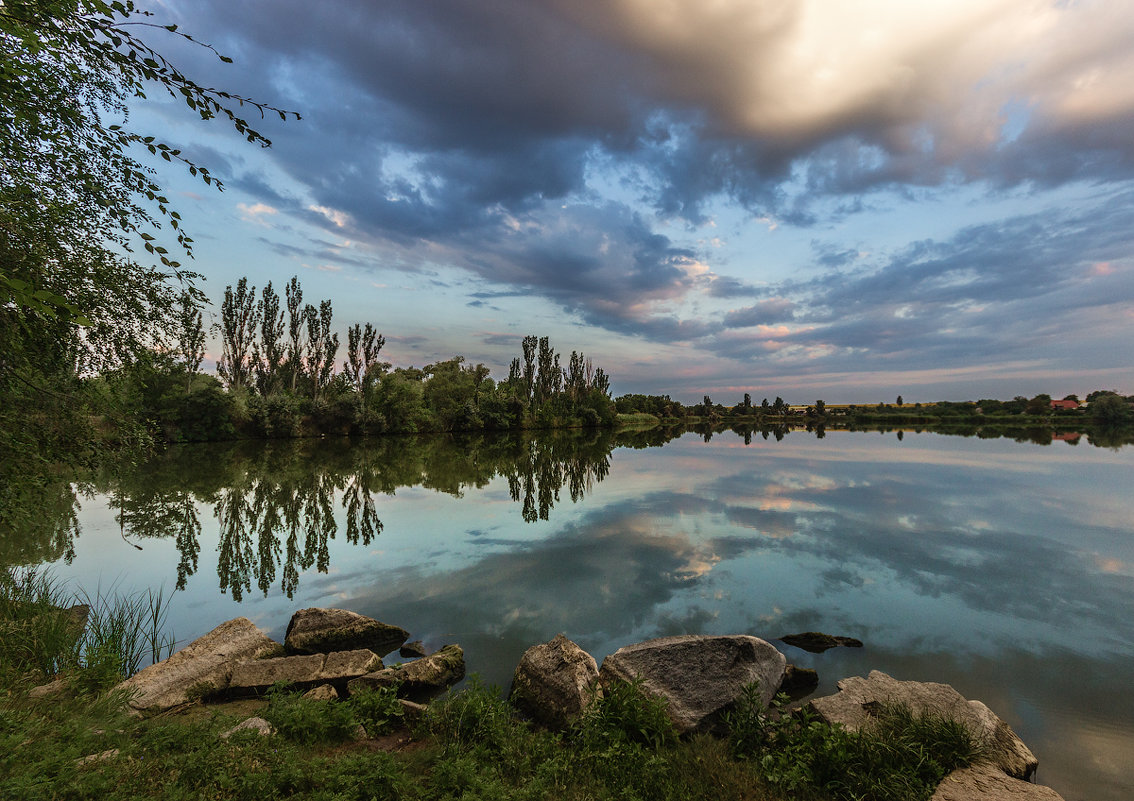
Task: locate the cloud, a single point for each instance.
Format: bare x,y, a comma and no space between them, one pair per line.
567,150
773,310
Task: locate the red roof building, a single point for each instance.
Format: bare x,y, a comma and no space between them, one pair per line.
1065,404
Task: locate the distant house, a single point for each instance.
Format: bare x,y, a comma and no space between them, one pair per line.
1065,404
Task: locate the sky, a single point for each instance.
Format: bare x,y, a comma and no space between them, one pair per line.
836,200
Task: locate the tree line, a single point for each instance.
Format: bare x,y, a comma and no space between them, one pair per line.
1101,407
283,372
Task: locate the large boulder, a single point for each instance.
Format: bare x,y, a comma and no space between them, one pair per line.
852,707
988,783
313,631
421,679
554,682
204,665
305,671
699,676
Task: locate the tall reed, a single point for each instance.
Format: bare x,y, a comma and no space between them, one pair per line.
41,634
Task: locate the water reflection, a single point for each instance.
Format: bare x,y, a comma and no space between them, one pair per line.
279,505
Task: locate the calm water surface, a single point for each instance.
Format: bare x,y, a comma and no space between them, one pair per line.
1003,568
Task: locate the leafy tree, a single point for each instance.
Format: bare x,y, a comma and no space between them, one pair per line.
529,367
74,201
820,408
1110,409
899,403
190,337
269,353
239,319
363,346
295,326
322,345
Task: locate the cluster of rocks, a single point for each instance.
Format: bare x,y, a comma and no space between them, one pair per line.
328,652
700,678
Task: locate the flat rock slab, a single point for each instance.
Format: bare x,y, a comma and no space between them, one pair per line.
207,662
988,783
316,630
852,707
421,679
699,676
338,667
816,642
554,682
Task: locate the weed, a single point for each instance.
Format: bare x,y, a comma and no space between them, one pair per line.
900,756
308,721
625,713
378,709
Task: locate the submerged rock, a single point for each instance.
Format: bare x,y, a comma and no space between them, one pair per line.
799,682
554,682
204,665
699,676
316,630
853,706
817,642
412,650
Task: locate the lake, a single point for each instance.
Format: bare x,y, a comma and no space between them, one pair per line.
1003,568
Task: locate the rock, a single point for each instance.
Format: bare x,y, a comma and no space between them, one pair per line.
324,692
987,783
798,682
412,711
853,705
699,676
554,682
50,690
100,757
412,650
335,668
259,725
816,642
313,631
204,665
421,679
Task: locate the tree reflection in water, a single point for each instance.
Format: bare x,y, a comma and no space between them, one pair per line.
280,503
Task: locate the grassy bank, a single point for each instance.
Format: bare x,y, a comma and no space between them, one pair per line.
470,744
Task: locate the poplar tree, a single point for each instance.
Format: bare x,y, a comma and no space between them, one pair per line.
295,328
190,337
322,346
239,320
269,352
